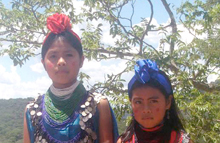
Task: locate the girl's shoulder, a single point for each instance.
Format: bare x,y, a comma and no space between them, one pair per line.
101,102
185,137
35,103
180,137
97,97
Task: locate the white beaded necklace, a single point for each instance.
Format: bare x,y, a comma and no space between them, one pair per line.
65,91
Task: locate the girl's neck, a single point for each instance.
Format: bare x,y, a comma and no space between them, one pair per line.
157,134
64,91
153,128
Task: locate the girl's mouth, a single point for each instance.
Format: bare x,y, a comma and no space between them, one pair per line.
147,118
62,72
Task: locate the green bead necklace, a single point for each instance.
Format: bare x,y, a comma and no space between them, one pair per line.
59,110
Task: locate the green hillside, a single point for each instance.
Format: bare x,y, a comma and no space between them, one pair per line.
11,120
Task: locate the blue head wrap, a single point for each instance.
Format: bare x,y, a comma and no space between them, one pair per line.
144,71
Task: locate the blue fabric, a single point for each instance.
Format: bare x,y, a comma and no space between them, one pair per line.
72,128
114,122
29,125
144,71
115,126
65,134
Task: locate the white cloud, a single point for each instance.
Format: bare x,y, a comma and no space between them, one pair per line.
152,38
78,6
186,37
212,78
99,70
9,77
108,39
38,67
24,89
12,86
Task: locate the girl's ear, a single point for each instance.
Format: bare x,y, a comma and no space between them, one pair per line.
168,102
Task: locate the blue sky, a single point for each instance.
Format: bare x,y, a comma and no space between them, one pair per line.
30,79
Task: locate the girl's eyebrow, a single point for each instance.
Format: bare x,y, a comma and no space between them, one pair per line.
153,97
52,52
67,51
137,98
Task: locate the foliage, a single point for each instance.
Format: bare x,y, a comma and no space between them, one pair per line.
11,119
188,64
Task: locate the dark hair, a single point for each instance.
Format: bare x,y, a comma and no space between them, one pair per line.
66,35
174,123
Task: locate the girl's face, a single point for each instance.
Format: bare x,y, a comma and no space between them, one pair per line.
62,63
149,106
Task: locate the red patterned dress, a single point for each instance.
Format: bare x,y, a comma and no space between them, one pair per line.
157,135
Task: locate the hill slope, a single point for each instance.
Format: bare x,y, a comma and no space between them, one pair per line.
11,119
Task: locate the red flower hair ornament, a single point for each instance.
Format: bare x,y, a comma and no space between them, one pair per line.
58,23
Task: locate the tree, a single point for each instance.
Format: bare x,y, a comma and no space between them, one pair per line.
188,64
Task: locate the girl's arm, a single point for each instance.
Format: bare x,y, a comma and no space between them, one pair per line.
105,122
119,140
26,137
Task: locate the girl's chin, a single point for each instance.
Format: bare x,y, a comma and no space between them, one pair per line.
147,126
63,84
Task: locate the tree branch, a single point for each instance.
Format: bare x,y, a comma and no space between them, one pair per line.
173,24
17,30
186,26
20,41
200,71
111,80
110,52
128,33
35,16
205,87
147,27
160,29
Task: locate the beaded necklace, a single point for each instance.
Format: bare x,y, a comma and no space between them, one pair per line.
64,92
60,110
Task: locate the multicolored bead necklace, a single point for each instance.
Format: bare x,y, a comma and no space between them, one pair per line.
60,110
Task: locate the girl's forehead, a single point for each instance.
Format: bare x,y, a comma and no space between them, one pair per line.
61,45
147,92
61,41
61,48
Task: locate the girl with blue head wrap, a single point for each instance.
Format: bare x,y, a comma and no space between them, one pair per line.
154,113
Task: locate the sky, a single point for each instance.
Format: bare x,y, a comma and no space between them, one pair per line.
31,78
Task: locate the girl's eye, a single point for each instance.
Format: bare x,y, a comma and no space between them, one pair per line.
53,56
69,55
153,101
137,102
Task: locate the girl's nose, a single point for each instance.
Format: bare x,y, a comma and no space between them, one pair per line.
61,62
147,109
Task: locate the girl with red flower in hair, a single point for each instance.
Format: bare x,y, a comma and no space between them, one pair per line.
154,113
67,113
